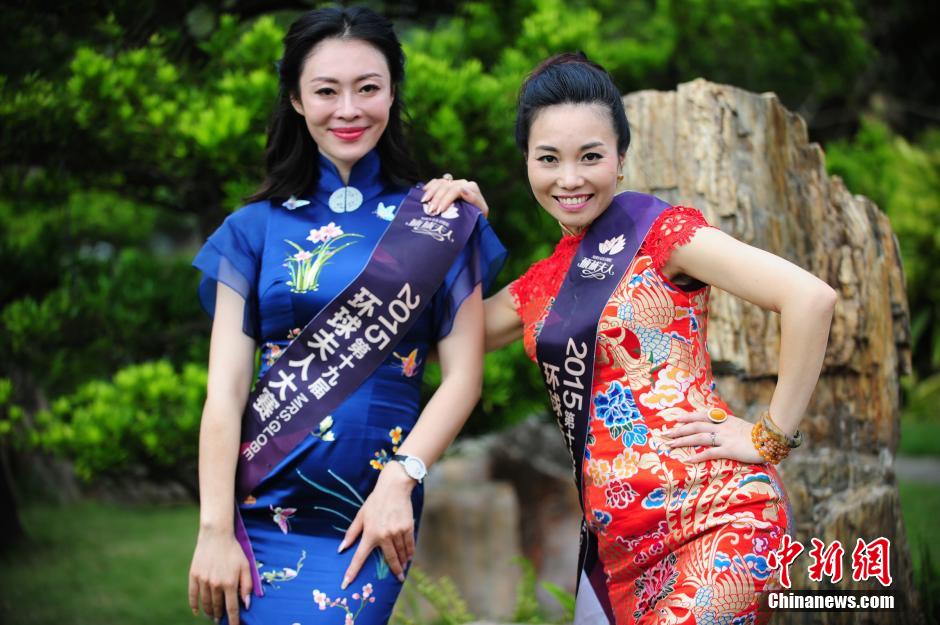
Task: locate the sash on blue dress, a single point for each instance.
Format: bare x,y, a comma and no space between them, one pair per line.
566,346
347,341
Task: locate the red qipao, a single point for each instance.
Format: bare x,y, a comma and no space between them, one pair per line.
679,543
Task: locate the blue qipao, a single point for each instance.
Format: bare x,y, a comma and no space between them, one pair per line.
288,260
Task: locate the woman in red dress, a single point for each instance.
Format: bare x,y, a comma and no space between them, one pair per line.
680,497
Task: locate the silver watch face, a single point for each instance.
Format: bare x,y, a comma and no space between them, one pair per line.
414,468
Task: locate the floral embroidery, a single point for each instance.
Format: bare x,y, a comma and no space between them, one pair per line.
364,598
626,464
599,471
381,457
282,516
409,363
285,574
619,494
305,265
655,585
325,430
620,415
272,352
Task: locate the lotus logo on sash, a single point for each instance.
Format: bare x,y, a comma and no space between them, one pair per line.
433,225
612,246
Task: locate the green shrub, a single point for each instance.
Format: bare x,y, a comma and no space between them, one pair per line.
146,417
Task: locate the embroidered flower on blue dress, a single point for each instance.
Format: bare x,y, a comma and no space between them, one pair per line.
617,409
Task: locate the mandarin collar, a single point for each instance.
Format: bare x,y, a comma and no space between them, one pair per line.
365,177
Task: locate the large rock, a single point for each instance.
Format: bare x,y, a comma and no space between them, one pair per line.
747,163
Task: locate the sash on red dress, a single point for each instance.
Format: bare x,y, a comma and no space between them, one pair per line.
347,341
566,347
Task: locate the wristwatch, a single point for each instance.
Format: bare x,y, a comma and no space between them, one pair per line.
413,465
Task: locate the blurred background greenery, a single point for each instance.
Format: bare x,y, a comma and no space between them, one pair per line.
129,129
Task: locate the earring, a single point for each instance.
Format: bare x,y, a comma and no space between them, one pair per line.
619,178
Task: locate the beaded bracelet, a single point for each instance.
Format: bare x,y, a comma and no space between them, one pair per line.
778,434
770,449
772,443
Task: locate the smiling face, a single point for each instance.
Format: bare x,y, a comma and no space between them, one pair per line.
344,94
572,162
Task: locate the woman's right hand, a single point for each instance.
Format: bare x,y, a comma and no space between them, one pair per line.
440,193
219,575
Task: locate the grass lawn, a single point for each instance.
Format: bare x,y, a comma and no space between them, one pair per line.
919,437
920,505
100,564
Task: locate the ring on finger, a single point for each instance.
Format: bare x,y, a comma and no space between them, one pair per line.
717,415
447,177
714,437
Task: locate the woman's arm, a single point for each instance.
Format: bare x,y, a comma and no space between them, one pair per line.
219,573
503,325
386,519
805,304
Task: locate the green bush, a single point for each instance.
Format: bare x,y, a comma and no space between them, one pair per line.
146,417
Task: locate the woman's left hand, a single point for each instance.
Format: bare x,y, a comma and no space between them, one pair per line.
730,439
440,193
386,521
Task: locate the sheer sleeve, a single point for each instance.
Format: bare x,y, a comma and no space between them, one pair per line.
232,256
672,229
478,263
543,278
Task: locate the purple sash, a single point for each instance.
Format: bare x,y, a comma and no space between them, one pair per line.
566,344
347,340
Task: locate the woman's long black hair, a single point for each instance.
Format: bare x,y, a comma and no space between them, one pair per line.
569,78
292,155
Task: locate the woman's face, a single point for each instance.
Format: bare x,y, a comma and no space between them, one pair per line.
345,93
572,162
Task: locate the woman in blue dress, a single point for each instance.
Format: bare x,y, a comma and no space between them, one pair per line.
332,526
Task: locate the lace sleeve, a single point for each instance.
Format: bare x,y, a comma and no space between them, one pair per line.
673,228
543,279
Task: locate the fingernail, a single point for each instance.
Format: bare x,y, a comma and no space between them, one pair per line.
424,198
401,577
247,601
344,584
342,546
